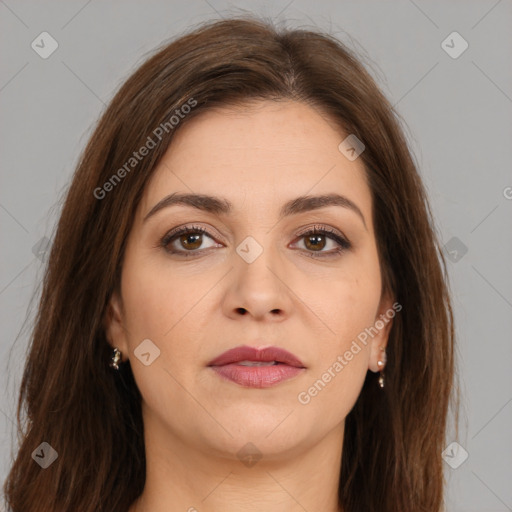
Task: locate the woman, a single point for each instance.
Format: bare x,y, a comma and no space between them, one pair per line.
245,306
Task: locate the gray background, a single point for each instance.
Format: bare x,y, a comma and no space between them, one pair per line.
459,124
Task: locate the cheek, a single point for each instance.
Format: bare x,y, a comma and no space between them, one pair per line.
332,394
161,310
352,300
166,309
341,364
149,305
157,301
341,361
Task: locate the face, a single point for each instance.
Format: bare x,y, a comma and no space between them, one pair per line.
253,275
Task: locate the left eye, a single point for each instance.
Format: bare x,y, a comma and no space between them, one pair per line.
316,240
191,238
313,239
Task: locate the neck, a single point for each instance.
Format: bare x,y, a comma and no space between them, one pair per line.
181,477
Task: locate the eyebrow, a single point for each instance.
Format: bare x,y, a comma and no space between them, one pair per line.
221,206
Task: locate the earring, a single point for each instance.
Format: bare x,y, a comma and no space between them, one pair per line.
381,364
114,360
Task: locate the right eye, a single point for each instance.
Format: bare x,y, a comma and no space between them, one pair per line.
189,237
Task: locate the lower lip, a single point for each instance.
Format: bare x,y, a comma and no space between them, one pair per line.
257,376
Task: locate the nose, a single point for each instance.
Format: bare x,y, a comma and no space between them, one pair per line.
259,289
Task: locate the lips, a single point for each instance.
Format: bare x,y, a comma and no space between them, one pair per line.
245,354
252,368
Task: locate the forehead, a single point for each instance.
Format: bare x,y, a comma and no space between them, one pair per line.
261,153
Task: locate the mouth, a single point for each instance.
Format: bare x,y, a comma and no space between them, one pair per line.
258,363
250,367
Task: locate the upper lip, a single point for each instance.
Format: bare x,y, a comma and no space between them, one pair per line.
246,353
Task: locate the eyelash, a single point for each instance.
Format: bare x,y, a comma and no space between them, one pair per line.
343,243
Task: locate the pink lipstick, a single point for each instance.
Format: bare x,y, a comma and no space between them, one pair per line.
250,367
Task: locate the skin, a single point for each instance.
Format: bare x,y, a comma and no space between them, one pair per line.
258,157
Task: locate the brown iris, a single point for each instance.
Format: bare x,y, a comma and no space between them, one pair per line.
315,245
194,239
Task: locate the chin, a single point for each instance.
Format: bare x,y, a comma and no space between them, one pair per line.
271,431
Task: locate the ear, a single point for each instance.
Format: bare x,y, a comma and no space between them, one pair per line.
381,328
113,323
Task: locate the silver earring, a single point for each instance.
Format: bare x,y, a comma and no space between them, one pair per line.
381,380
381,364
114,360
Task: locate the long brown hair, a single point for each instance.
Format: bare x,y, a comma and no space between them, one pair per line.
92,416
